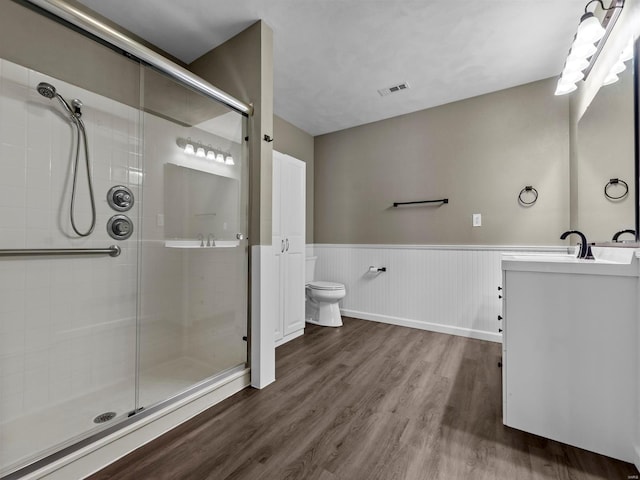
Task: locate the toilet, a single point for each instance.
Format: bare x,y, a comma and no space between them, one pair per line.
321,306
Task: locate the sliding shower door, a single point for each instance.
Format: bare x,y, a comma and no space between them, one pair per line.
67,315
194,270
123,250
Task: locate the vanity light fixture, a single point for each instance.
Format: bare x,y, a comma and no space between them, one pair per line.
200,150
587,45
619,66
188,147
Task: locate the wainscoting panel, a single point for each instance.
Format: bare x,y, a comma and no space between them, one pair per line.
448,289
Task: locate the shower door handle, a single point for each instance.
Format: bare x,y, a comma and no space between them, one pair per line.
282,246
287,244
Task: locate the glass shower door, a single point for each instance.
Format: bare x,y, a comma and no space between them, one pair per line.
67,321
194,261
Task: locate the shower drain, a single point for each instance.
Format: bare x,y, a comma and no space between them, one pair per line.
104,417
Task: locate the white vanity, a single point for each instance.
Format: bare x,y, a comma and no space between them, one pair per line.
570,356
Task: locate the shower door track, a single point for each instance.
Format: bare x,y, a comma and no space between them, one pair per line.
134,417
94,26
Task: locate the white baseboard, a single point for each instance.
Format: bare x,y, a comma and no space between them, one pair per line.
432,327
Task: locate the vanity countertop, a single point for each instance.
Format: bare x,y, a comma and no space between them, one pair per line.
608,261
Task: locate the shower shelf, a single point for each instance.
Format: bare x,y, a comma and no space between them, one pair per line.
196,244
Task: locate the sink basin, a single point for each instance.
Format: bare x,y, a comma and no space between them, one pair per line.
614,254
605,263
604,255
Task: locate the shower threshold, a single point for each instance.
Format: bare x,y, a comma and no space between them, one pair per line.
29,439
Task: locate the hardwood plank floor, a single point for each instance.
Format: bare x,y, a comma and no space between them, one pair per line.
366,401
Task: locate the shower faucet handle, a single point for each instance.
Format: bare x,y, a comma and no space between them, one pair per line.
120,227
120,198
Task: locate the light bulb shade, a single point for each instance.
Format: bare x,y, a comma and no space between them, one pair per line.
582,52
200,152
572,77
229,160
211,155
575,65
220,158
611,78
589,30
627,53
188,148
618,67
565,87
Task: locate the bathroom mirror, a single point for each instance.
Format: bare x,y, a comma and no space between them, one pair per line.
606,167
200,204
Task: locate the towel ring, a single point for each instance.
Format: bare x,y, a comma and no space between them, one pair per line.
616,181
528,188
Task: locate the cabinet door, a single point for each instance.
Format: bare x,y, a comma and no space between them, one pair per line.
293,220
288,240
294,292
278,290
293,198
278,243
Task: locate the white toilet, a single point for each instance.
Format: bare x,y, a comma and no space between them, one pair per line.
321,306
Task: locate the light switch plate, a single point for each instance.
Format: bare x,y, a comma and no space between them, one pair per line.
477,220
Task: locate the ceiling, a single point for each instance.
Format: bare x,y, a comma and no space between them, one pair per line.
332,56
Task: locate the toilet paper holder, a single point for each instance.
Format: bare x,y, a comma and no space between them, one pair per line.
373,269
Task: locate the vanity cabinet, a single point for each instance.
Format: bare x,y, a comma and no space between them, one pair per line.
288,241
570,364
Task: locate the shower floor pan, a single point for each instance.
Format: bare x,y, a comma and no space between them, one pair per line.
43,431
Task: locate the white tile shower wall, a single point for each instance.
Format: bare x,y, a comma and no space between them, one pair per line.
444,289
67,325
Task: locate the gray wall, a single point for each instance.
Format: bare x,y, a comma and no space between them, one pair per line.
479,153
243,67
291,140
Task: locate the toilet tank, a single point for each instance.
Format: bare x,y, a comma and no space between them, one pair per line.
310,269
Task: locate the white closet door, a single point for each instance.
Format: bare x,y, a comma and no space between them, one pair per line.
293,218
278,243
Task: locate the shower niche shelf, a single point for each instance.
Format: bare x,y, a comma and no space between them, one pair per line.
198,244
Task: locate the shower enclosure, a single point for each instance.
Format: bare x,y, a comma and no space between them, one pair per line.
97,329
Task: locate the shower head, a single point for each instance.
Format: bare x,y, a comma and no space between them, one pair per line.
46,90
49,91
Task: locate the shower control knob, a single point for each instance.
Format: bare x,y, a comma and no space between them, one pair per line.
120,198
120,227
123,198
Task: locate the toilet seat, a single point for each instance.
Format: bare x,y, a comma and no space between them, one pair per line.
320,285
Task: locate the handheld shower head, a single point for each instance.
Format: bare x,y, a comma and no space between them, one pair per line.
49,91
46,90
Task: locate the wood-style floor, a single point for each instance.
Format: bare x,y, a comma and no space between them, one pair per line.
362,402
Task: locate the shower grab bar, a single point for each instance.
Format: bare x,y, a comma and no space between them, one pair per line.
112,251
94,26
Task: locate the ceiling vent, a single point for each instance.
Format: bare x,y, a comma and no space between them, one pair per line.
395,89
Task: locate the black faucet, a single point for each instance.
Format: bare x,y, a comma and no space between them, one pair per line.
617,234
585,250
